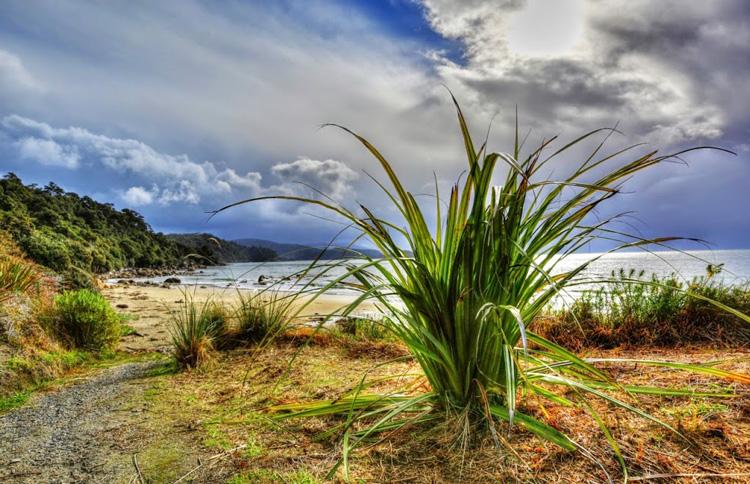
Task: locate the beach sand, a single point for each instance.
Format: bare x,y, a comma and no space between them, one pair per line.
147,309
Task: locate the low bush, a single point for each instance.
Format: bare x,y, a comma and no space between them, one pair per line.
83,319
196,329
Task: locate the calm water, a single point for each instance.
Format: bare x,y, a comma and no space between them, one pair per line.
686,266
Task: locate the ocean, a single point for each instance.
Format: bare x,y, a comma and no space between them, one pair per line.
686,266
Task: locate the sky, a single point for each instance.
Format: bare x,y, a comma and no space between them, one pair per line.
176,108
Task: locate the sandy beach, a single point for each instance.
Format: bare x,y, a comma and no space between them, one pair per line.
147,309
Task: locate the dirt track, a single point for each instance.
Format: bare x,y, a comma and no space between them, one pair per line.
70,435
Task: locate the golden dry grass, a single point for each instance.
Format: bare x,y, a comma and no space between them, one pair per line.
226,406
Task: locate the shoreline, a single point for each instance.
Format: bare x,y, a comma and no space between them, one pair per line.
147,308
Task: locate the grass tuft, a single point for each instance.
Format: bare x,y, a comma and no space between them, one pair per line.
195,329
261,316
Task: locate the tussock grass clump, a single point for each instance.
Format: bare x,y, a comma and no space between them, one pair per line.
661,312
17,273
83,319
461,296
16,276
261,316
196,329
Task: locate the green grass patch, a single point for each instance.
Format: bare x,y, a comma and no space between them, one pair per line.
254,448
263,476
168,367
216,438
15,400
697,410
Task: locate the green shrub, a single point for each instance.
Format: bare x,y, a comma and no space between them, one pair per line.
630,309
84,319
196,330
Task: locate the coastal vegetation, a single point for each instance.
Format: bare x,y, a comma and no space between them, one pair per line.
45,333
467,358
62,230
199,328
469,290
659,312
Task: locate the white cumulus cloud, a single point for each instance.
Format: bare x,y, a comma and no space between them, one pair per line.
172,178
48,152
138,196
331,177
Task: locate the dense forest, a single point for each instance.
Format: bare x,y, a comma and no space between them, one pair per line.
62,230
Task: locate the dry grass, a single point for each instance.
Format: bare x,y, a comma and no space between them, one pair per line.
226,405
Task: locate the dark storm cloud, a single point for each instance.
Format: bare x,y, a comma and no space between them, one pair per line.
672,73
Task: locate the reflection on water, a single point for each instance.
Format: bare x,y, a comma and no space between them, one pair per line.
736,269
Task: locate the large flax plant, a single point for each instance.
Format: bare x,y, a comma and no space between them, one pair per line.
461,296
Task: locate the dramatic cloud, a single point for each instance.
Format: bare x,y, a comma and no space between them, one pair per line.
668,69
246,85
173,179
331,177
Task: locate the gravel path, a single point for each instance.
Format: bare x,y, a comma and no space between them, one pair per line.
67,435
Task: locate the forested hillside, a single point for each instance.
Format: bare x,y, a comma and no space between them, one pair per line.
306,252
62,230
222,251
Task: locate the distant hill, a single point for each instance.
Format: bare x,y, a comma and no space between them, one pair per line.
306,252
223,251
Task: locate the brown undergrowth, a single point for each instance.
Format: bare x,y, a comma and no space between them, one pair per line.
227,404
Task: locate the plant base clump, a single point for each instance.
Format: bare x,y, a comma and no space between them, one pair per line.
261,316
